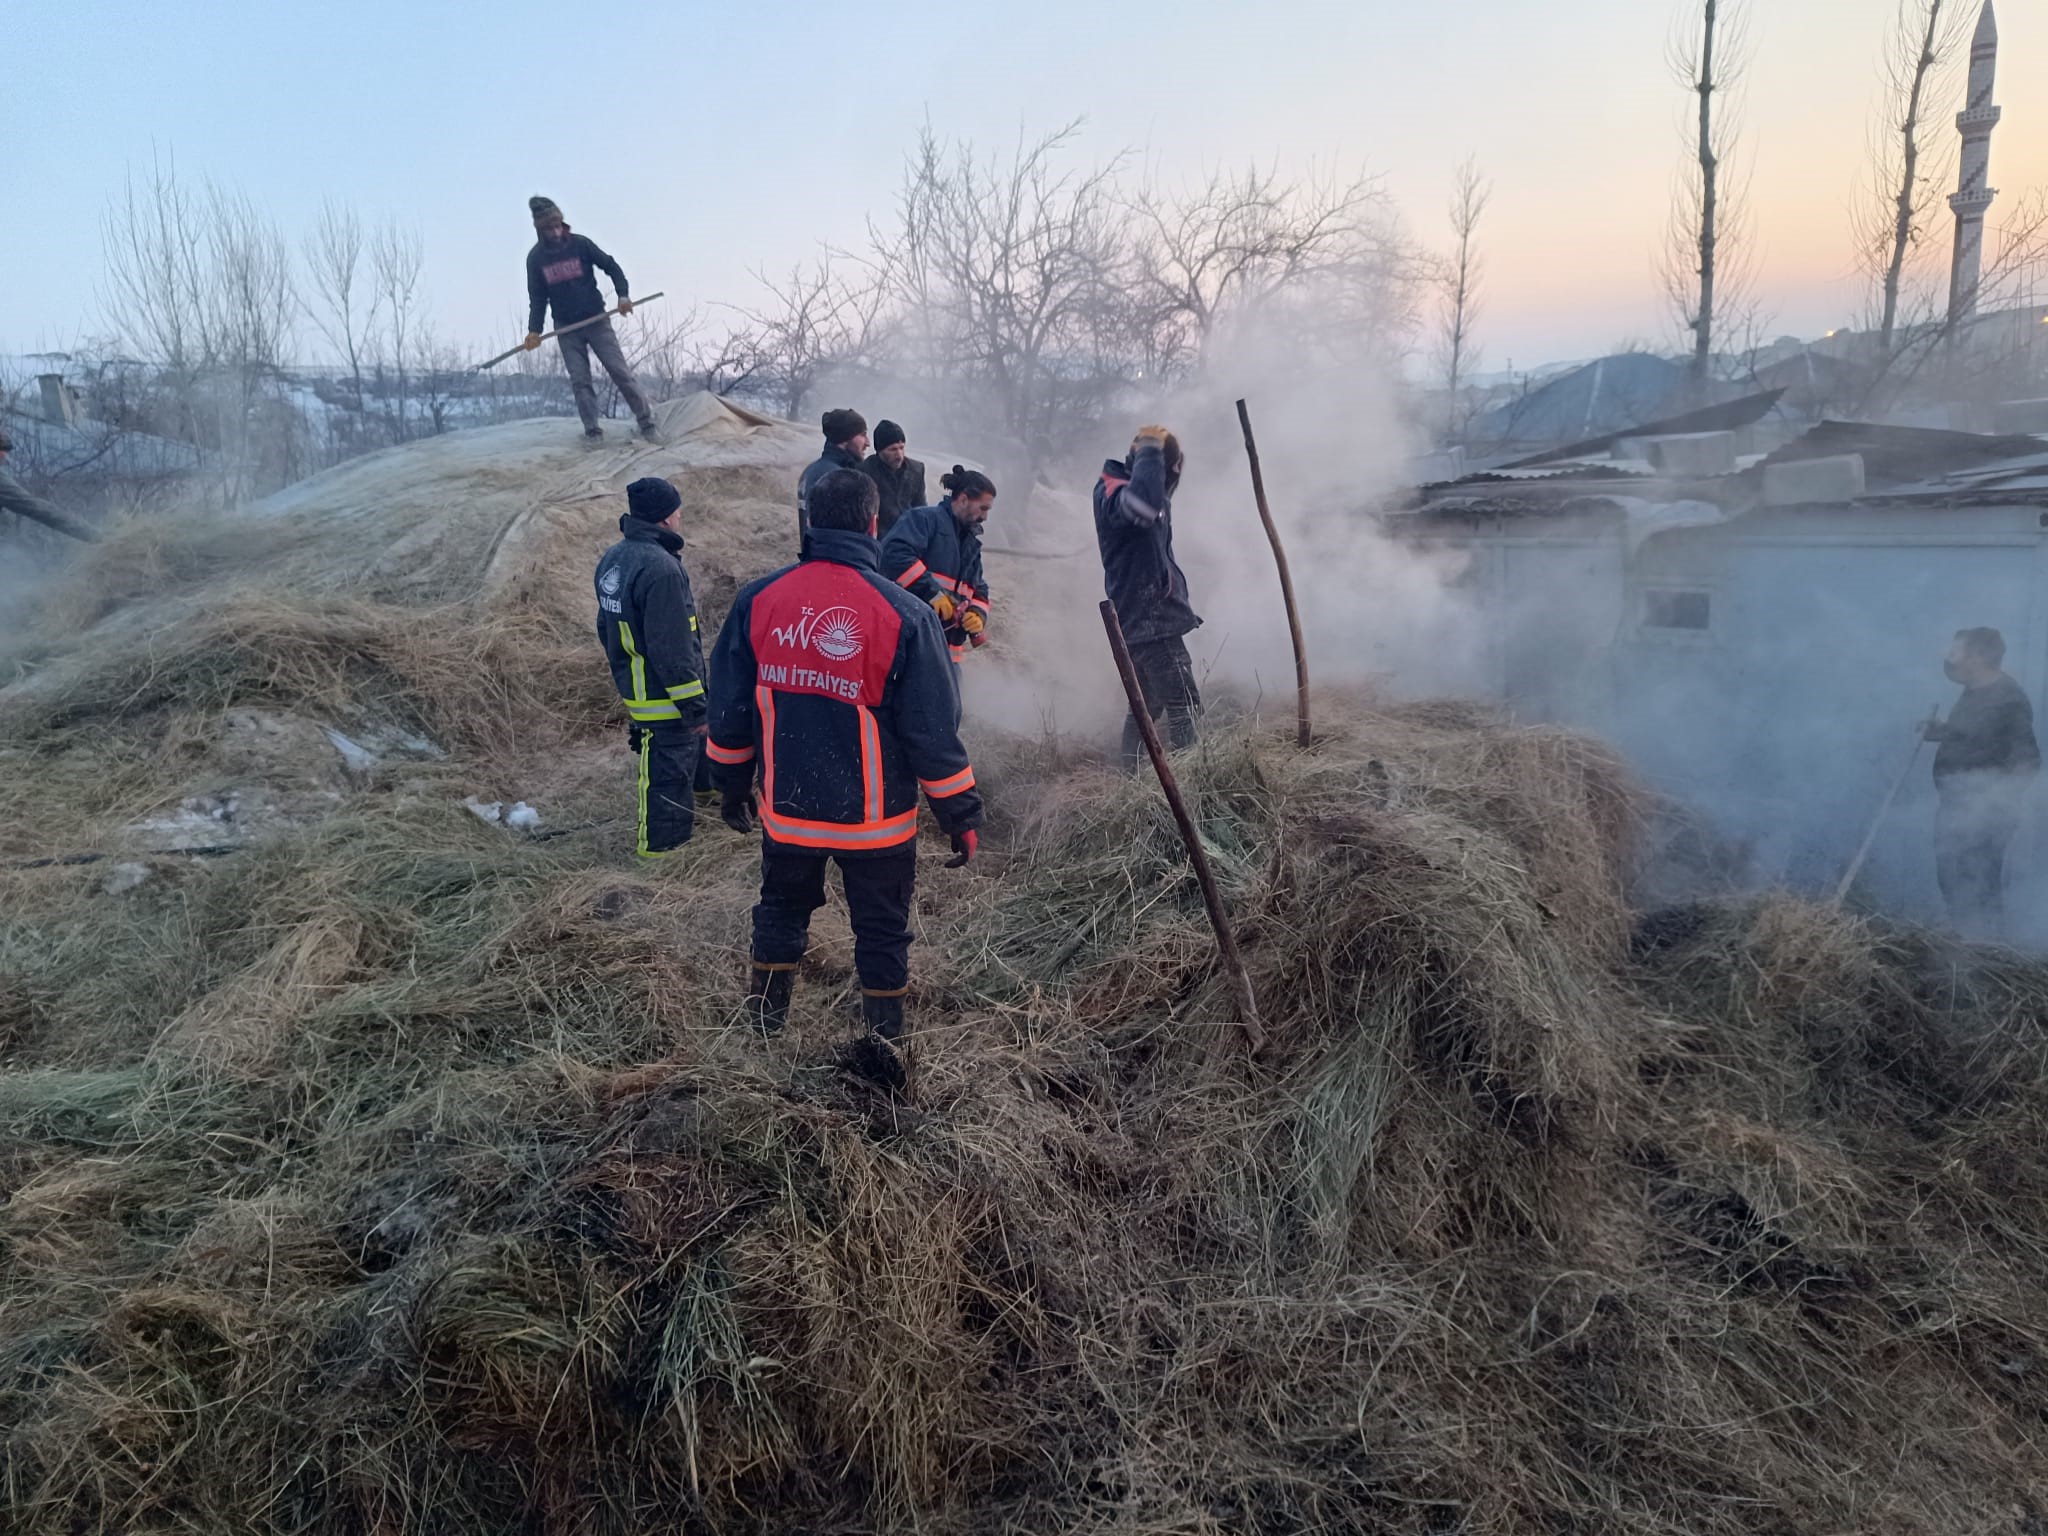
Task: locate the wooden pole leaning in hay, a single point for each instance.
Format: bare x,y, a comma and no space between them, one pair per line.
1212,896
1251,448
1870,838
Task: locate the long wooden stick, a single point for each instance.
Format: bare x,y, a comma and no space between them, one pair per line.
492,362
1870,838
1212,897
1301,718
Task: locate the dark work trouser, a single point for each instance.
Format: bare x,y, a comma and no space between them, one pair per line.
604,341
878,886
1166,677
1973,824
665,772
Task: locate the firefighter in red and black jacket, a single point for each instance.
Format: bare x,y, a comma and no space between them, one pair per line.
935,553
832,704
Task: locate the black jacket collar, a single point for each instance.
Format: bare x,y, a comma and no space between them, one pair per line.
843,547
639,531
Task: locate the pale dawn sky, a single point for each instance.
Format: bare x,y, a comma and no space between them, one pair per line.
697,141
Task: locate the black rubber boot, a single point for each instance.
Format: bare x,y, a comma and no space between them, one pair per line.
768,990
883,1015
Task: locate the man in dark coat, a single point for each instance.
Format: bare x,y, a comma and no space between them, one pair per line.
832,706
898,476
561,274
1984,770
935,553
647,623
846,439
1134,531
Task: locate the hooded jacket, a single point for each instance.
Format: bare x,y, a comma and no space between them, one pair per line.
564,277
1134,532
929,552
647,623
832,683
901,488
834,457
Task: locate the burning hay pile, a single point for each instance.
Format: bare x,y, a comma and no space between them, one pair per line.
399,1174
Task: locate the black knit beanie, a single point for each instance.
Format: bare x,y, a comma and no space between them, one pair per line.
887,435
843,424
543,210
652,498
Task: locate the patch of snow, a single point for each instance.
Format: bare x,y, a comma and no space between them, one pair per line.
360,759
522,817
123,878
491,812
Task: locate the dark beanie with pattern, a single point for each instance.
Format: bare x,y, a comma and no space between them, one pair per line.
544,210
888,435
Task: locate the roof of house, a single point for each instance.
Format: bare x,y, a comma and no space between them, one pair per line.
1615,394
1902,466
97,448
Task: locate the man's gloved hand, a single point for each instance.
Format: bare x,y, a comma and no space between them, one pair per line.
625,305
973,622
965,846
1151,437
945,607
738,809
532,340
632,735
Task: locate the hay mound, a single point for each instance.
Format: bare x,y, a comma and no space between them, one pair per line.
395,1173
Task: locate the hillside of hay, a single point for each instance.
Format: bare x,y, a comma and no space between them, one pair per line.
368,1167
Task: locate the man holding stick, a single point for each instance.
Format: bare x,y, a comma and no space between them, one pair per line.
1134,532
561,274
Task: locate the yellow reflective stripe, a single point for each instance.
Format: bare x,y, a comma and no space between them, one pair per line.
652,709
646,756
693,623
639,666
687,691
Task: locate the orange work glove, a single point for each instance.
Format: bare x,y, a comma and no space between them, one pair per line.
1152,437
972,621
944,606
532,340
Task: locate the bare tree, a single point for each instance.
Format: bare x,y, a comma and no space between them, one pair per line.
1010,270
200,285
1702,268
395,258
1240,239
1470,194
816,319
345,302
1925,39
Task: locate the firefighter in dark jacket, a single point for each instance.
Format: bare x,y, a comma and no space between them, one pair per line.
898,476
1134,531
846,439
935,554
832,706
1984,772
647,621
561,274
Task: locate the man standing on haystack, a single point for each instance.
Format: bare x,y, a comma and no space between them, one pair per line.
1984,770
833,705
561,274
1134,531
846,439
897,476
647,623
